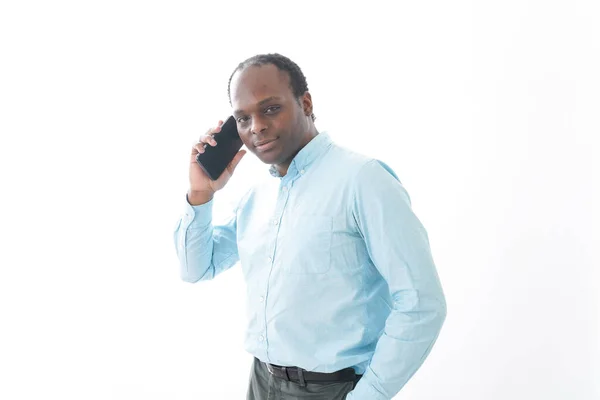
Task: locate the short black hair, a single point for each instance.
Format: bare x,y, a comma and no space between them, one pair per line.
297,79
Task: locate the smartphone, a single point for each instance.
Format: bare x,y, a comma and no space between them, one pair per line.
215,159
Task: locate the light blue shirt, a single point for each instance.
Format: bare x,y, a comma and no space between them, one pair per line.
338,268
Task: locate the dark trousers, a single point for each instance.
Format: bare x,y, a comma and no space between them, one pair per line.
264,386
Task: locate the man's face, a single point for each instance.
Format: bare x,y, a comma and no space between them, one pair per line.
270,120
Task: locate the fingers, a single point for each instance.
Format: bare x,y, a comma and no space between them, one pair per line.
207,139
203,142
216,129
236,160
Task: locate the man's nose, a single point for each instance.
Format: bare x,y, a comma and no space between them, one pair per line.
258,125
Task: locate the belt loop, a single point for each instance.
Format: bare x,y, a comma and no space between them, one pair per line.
301,377
285,371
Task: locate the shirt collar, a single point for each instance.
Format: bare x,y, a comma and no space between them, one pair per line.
309,153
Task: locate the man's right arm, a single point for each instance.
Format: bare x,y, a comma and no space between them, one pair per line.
204,250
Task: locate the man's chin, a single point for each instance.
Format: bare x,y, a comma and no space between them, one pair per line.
268,158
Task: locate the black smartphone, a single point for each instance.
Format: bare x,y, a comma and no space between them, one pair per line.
215,159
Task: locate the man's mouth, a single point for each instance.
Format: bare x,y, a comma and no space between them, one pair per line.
264,144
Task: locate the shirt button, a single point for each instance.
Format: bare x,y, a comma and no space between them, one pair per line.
270,258
261,338
275,222
261,298
302,171
284,188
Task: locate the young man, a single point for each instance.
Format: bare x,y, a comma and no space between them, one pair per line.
344,298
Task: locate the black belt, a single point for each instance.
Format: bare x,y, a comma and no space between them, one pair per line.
297,374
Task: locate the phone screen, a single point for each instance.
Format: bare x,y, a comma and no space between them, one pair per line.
215,159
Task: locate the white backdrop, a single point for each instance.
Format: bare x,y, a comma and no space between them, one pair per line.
488,112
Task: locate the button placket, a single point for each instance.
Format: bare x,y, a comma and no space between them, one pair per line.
282,197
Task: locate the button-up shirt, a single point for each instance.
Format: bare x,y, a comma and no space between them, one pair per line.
338,268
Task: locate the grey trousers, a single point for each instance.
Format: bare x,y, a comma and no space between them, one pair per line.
264,386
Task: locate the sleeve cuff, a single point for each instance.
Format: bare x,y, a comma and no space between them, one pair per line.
198,216
364,390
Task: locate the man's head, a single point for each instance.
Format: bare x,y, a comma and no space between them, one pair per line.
272,107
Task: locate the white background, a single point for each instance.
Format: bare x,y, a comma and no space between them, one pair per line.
488,112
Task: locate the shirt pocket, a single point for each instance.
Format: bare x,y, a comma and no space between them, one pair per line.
309,248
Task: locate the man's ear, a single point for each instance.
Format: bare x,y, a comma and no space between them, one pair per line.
307,104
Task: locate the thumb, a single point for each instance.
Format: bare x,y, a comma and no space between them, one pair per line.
236,160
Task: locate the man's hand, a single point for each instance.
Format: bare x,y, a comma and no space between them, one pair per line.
202,188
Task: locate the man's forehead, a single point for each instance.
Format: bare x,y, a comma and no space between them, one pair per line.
253,85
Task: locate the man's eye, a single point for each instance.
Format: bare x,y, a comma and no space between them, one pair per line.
242,119
272,109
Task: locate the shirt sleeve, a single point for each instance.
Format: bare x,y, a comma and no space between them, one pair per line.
399,247
204,250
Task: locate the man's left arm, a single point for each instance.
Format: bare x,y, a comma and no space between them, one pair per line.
398,245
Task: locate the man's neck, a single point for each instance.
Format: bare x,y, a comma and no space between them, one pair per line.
283,167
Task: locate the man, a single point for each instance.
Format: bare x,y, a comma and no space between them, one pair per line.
344,298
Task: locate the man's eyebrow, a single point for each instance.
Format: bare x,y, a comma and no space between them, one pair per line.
260,103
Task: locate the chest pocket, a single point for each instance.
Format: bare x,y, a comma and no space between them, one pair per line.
308,249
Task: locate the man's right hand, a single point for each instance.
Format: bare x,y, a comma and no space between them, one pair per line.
202,188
